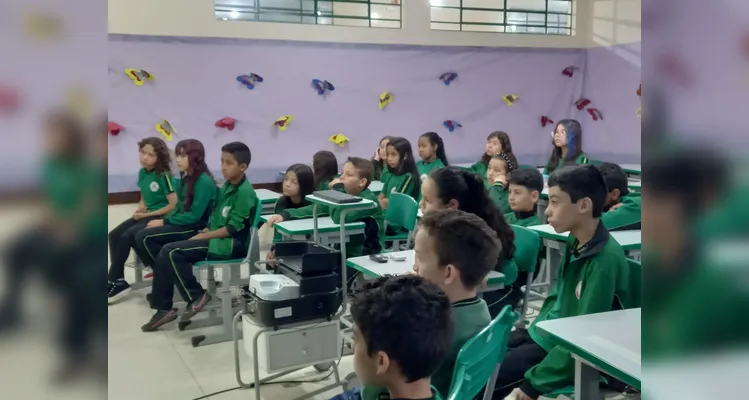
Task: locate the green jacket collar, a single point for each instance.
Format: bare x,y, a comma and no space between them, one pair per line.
594,246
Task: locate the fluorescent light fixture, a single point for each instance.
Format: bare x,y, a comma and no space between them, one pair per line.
225,19
319,13
513,28
234,14
374,15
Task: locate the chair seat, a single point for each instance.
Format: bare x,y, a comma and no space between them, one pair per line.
398,236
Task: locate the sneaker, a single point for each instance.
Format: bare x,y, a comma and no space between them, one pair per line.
161,318
195,307
118,291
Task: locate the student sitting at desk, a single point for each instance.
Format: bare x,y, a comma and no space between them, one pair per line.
325,167
500,167
593,277
525,187
226,237
297,184
385,354
404,177
567,139
432,153
497,142
623,207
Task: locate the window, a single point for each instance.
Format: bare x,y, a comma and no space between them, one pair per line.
367,13
547,17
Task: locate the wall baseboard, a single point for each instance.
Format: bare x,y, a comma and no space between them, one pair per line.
134,197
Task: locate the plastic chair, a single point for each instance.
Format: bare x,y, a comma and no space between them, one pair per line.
402,212
479,359
527,244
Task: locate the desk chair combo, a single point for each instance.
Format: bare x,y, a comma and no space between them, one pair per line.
402,212
527,245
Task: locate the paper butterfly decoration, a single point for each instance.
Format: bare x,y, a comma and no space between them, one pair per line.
569,71
581,103
139,76
249,80
546,121
322,86
339,139
638,112
385,99
595,114
226,123
9,98
510,99
114,128
451,125
448,77
283,122
166,130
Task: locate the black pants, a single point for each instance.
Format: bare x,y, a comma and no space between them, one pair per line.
121,240
522,354
24,257
498,299
174,268
149,241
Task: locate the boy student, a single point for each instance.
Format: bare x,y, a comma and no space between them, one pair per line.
226,237
402,331
593,277
525,186
623,208
355,179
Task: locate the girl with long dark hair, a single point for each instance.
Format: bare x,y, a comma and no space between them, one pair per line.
568,146
497,142
380,160
325,168
404,177
432,153
298,182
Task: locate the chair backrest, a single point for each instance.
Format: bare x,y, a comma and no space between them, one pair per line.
635,272
402,211
527,244
479,357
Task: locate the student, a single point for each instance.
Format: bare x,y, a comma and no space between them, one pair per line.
380,160
355,179
623,208
325,167
226,237
157,198
500,167
568,146
298,182
453,187
404,178
497,142
390,354
593,277
196,195
432,153
526,185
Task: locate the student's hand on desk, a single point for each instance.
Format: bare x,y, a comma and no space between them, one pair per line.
615,206
155,223
273,220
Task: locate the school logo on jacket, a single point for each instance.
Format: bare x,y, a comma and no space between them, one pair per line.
154,186
423,177
392,190
578,289
225,211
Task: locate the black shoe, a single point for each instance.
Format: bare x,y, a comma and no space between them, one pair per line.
117,291
161,318
195,306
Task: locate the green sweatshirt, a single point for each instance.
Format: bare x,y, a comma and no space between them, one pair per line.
627,216
65,184
235,209
523,218
400,184
203,196
425,168
358,244
580,159
154,188
469,318
597,279
284,203
500,197
480,168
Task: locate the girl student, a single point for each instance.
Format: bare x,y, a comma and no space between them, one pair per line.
568,146
158,198
380,160
432,153
404,177
453,187
497,142
497,174
196,196
298,182
325,167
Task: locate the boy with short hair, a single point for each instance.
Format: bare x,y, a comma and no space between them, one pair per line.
593,277
389,351
623,208
226,237
525,187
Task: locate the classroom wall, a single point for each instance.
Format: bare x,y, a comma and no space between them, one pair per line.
174,18
195,86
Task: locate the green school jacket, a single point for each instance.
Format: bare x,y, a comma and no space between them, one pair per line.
399,184
282,206
469,318
154,188
500,197
627,216
356,245
523,218
580,159
235,209
203,196
596,280
425,168
480,168
65,183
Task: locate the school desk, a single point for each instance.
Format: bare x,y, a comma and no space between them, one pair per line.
543,200
632,169
635,185
375,187
607,342
463,165
329,232
267,199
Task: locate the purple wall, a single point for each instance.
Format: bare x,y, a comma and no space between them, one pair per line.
195,85
612,76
